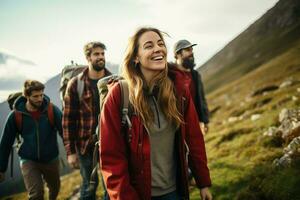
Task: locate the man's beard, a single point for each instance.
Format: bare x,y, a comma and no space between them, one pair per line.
97,66
36,105
188,62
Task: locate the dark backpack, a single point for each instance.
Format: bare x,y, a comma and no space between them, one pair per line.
11,99
104,85
68,72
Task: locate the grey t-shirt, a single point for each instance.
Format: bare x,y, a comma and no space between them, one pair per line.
163,159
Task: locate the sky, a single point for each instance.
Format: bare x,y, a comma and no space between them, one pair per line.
52,33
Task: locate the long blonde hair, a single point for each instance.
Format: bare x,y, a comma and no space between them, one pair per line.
132,73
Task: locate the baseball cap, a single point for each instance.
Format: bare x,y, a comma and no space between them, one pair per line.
182,44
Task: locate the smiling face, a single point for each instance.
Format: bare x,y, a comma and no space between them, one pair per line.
97,59
152,54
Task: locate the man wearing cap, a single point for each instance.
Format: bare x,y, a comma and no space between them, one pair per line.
183,52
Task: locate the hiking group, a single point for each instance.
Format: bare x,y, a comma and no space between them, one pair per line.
144,128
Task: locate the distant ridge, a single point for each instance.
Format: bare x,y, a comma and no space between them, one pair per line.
5,56
274,33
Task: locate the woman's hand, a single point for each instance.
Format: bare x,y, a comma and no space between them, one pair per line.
205,194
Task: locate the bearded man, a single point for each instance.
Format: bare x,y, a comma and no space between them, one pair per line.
184,55
80,116
34,122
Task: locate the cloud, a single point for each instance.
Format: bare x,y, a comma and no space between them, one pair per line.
11,84
15,70
54,33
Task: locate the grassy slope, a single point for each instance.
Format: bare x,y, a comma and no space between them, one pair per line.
239,156
265,48
269,36
69,183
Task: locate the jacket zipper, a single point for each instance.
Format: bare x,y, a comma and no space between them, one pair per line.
156,109
37,133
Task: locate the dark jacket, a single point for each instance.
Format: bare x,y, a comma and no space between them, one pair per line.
200,101
126,166
39,137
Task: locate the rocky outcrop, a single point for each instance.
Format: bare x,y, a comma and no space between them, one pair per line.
289,130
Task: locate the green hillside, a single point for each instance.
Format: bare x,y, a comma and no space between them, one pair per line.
240,157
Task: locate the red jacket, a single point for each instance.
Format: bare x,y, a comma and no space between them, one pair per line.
126,166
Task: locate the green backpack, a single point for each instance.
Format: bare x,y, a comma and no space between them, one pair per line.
104,85
67,73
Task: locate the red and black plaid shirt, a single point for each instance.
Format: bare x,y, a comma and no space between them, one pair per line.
79,119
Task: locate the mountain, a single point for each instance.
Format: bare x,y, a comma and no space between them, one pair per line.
14,70
272,34
5,57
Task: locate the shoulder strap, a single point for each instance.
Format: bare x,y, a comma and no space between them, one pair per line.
80,86
50,113
125,103
18,118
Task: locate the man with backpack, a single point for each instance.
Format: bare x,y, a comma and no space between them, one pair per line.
80,115
183,52
34,122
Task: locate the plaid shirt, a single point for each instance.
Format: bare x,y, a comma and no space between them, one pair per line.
79,119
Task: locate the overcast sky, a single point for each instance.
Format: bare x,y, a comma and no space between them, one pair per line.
51,33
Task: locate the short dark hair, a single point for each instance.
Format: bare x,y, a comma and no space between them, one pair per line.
92,45
32,85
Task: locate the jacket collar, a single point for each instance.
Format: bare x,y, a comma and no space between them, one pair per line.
20,104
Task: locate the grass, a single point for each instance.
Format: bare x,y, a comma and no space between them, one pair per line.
240,157
69,183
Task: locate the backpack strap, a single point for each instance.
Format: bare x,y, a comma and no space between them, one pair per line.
125,104
18,119
80,85
50,113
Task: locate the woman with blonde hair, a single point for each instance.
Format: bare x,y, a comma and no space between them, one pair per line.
165,137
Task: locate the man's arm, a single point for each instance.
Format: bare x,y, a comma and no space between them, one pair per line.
7,140
203,103
58,120
70,117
